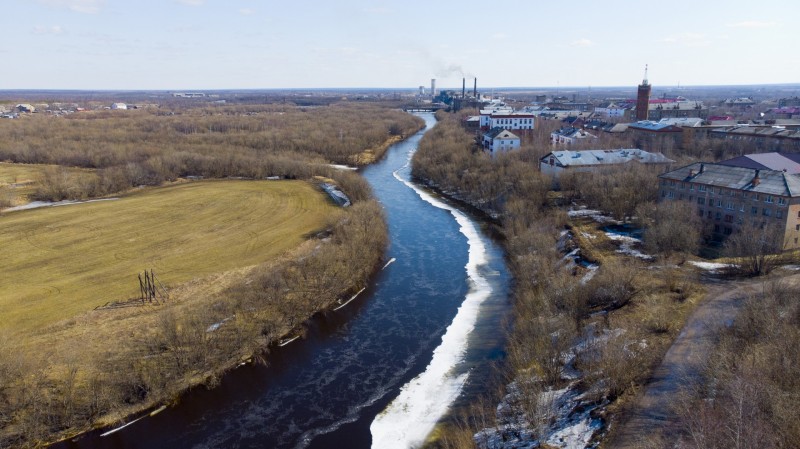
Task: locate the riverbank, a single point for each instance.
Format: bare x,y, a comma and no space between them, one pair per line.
589,328
133,359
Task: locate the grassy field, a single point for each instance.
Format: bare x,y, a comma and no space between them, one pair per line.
62,261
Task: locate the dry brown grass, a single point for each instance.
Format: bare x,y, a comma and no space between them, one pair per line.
63,261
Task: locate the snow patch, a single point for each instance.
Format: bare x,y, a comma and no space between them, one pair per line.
711,266
38,204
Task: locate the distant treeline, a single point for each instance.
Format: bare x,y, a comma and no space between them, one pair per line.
150,146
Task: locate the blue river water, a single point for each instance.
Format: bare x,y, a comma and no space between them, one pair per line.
326,390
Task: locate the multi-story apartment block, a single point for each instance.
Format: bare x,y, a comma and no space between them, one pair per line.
507,120
727,196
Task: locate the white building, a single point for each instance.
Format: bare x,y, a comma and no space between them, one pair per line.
512,120
610,110
486,113
557,162
499,140
570,135
119,106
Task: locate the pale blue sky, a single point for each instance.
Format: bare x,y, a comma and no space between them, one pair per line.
246,44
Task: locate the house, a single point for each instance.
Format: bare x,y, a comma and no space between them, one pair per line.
683,122
25,107
656,136
569,135
506,118
762,138
499,140
120,106
659,108
785,162
610,109
728,195
486,113
559,161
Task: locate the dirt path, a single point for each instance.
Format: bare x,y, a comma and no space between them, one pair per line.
681,367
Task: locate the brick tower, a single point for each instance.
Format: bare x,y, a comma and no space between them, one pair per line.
643,98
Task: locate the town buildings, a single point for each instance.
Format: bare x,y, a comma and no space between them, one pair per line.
729,194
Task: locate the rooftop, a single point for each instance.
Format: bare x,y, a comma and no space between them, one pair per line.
568,158
772,182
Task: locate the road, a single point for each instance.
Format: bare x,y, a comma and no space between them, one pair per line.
651,415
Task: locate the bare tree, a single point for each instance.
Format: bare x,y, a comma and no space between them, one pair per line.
758,245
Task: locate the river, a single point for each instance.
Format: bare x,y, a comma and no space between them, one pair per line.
386,367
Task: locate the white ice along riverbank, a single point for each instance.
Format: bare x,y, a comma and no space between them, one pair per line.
411,416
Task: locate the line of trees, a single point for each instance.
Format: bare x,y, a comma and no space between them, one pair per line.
148,147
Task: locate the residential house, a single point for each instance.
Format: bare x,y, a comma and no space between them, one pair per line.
659,108
727,195
499,140
610,109
656,136
569,135
763,138
507,120
24,107
560,161
785,162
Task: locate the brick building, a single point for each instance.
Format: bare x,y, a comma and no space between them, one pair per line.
727,195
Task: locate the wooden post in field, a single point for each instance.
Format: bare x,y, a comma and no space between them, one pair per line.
141,288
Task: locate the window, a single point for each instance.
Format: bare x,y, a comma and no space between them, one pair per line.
754,210
728,218
755,197
711,190
702,188
729,205
741,207
766,212
709,214
728,230
781,201
700,214
663,194
670,194
680,197
691,186
683,185
778,213
768,199
719,203
701,200
716,228
718,216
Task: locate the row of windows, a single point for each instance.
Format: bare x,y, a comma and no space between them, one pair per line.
701,200
729,218
722,192
508,121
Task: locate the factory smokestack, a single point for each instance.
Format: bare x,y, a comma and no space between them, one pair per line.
463,87
475,88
